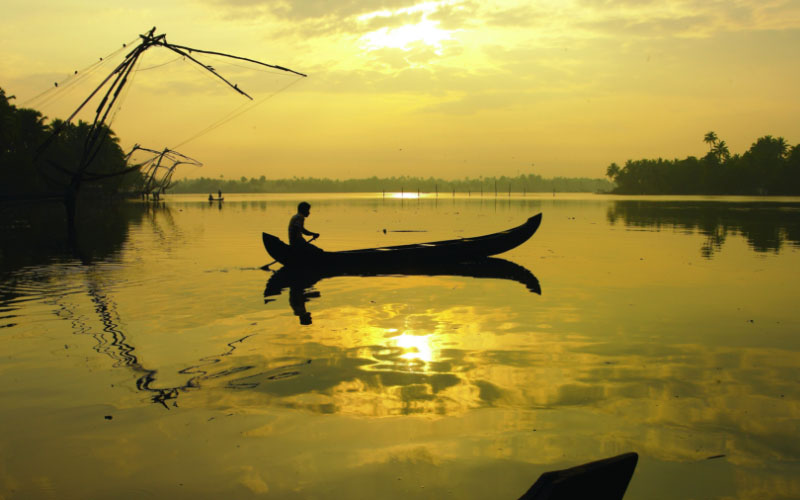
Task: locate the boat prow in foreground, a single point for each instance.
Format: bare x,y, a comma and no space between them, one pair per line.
458,250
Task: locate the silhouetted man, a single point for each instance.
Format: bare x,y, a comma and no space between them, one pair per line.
297,229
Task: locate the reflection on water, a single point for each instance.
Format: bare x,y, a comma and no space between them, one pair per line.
301,282
458,382
32,234
765,225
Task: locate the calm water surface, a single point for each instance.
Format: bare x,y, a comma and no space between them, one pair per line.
148,362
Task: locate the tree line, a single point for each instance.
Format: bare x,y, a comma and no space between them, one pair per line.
487,185
770,167
36,162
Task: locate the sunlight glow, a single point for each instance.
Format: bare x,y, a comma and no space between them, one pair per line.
406,196
400,37
418,347
425,31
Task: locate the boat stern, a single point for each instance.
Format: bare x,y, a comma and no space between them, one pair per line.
276,249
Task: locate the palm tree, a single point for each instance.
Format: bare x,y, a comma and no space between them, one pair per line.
721,151
781,143
710,138
612,171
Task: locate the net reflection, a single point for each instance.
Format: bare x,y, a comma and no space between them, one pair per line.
114,343
300,282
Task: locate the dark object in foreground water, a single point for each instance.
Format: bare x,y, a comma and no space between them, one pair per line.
602,480
459,250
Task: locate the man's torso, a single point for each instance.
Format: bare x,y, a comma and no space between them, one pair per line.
296,226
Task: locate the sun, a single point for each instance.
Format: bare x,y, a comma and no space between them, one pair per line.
401,37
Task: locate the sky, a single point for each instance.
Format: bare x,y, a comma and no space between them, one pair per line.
447,89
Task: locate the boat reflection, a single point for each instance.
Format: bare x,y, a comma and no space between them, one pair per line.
300,282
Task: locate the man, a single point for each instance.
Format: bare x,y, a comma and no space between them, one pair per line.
297,229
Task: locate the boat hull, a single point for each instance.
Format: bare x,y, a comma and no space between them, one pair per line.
458,250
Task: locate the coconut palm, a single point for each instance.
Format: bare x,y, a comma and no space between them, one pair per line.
612,171
710,138
781,143
721,151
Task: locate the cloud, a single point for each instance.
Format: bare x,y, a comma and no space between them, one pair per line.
391,58
457,16
520,16
414,54
651,27
318,18
390,21
647,18
300,10
314,18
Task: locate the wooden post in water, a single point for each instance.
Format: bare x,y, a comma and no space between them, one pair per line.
437,190
495,188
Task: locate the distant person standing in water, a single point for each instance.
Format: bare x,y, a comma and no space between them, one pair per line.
297,229
219,192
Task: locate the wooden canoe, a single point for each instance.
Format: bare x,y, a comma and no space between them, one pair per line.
606,479
458,250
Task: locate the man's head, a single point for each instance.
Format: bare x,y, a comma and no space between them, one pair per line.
303,208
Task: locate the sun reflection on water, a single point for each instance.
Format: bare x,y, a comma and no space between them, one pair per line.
417,347
407,196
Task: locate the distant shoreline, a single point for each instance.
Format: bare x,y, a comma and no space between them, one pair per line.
488,185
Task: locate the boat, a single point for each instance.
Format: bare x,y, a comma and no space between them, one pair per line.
447,251
605,479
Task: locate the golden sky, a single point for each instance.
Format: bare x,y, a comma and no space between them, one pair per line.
442,88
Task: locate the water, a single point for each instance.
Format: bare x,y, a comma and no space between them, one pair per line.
145,361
